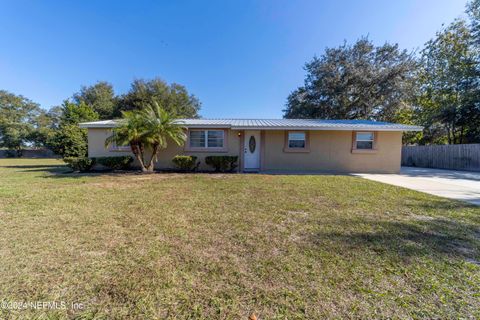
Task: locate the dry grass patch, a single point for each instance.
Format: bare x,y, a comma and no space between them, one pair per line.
213,246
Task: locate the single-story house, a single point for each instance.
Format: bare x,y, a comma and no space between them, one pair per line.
282,145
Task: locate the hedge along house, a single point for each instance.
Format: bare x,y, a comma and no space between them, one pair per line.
283,145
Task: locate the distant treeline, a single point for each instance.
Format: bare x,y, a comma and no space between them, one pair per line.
437,87
23,123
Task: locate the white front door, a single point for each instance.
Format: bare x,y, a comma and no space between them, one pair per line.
252,150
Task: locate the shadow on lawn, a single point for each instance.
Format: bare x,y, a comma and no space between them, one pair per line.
37,166
55,171
51,168
422,236
438,203
62,171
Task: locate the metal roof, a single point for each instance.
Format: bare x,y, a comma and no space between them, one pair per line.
277,124
99,124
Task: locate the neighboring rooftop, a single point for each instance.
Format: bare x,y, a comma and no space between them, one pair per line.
277,124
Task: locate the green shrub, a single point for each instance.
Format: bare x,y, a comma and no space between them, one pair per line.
185,163
115,163
68,141
82,164
222,163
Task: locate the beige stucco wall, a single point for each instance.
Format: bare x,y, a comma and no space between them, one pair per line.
96,148
329,151
332,151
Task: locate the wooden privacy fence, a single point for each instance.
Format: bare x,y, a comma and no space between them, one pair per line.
452,156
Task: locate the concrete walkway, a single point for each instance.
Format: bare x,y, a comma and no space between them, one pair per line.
459,185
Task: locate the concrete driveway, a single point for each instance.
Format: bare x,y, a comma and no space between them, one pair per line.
459,185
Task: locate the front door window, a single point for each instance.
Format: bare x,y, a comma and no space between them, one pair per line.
252,144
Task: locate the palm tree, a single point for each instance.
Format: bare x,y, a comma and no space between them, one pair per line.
148,129
160,127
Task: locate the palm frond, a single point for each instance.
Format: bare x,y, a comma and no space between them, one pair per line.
151,127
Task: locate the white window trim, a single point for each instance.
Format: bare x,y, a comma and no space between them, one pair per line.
206,148
365,140
286,147
304,139
206,138
374,142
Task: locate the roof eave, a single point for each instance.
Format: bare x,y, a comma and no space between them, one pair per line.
370,128
92,126
308,128
206,126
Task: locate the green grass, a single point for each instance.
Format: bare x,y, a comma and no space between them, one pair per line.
212,246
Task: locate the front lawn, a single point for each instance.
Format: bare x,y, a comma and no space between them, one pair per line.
215,246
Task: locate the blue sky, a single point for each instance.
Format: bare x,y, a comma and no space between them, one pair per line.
240,58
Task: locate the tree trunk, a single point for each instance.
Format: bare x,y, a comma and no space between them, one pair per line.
453,134
142,152
19,152
139,156
142,165
449,135
151,164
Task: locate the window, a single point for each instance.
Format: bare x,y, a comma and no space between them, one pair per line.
206,138
120,147
296,140
215,139
197,139
364,140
